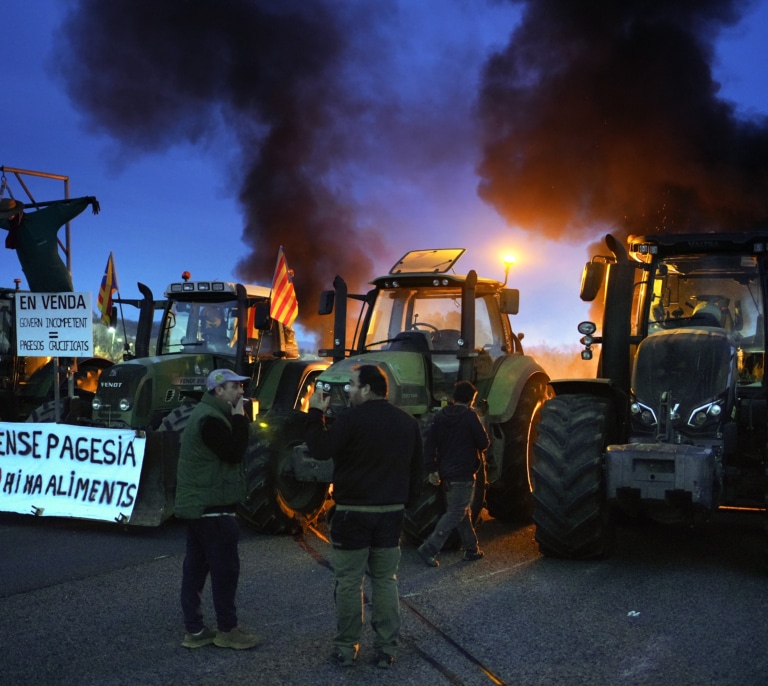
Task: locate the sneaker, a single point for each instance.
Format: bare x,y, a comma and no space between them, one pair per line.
473,555
237,639
204,637
429,559
342,659
384,660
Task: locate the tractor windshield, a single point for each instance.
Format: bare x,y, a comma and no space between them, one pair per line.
436,313
192,326
719,291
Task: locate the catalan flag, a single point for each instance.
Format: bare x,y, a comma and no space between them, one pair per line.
284,306
107,288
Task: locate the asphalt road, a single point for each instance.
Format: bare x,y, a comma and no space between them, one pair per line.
89,604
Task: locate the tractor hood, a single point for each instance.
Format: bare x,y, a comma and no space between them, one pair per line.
406,374
690,371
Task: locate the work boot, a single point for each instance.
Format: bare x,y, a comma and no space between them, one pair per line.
473,555
384,660
344,658
237,639
429,558
204,637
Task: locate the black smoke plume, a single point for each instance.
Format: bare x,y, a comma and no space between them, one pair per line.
605,115
152,74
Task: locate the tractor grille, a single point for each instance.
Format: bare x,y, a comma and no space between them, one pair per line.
120,381
692,366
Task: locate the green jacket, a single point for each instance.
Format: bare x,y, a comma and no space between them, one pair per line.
204,481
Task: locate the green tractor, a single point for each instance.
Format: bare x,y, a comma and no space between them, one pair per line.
204,325
675,426
427,328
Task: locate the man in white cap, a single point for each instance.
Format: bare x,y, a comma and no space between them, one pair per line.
209,484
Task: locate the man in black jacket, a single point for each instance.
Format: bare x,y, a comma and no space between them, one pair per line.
377,470
452,453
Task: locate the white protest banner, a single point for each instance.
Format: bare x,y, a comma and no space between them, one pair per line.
60,470
54,324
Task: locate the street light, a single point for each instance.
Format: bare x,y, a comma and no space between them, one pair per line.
509,260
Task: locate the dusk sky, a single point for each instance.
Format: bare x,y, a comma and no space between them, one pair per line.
352,132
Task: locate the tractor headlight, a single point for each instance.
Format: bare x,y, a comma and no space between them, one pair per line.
96,403
705,414
124,404
322,387
642,413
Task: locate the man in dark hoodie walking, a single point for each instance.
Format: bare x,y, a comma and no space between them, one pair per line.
452,453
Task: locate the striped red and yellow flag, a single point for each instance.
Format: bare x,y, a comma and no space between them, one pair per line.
107,288
284,307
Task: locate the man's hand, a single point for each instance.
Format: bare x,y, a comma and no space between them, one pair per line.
319,401
434,478
238,407
94,204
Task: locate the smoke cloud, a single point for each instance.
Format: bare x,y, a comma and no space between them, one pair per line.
269,76
605,115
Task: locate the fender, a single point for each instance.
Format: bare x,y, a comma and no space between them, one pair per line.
406,375
283,380
511,374
602,388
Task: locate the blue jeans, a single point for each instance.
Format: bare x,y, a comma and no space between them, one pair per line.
211,547
458,515
366,542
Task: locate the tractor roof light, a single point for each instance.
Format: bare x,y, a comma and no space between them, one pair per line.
587,328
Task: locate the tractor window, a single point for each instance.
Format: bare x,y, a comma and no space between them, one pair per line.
437,314
720,291
199,327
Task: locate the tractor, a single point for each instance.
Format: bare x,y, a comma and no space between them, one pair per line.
674,426
427,328
204,325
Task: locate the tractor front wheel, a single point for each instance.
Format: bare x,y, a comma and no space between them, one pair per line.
570,511
276,502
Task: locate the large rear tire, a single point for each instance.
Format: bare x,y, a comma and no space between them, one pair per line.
276,503
572,517
509,497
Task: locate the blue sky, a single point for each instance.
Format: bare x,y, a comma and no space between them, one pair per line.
176,209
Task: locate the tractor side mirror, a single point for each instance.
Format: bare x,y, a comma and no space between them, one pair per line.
326,302
509,302
261,316
591,280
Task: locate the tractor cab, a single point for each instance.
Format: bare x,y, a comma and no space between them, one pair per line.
428,327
